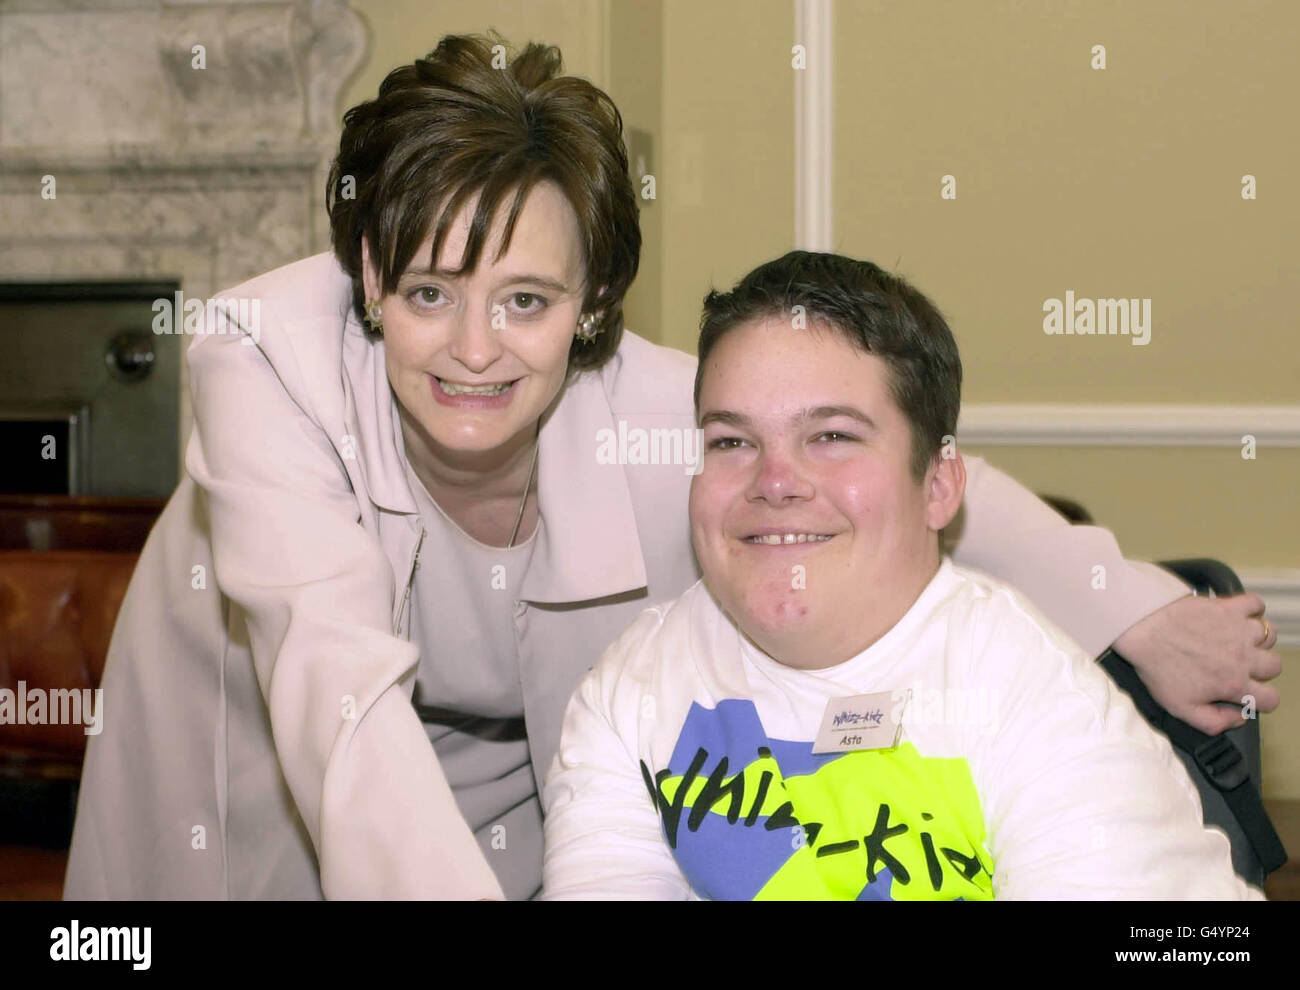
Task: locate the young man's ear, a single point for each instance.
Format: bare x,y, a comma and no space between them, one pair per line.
945,485
369,273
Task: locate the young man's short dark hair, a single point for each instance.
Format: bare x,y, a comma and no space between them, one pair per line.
877,311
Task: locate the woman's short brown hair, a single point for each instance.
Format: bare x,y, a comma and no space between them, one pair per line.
463,121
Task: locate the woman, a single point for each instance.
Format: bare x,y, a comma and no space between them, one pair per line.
343,661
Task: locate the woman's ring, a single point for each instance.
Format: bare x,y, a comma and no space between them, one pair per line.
1268,631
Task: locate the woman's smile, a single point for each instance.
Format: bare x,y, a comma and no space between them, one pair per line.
472,395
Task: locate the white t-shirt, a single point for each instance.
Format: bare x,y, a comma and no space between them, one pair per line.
1020,770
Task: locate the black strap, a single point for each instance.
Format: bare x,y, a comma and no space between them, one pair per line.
1218,757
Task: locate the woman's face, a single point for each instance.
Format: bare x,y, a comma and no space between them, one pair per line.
475,359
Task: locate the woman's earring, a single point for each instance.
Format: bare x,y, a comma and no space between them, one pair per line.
587,330
375,316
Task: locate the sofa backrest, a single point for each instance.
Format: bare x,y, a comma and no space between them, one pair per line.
57,610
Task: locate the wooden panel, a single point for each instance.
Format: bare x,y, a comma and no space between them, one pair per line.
61,522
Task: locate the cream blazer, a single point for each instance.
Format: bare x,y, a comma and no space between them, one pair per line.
259,739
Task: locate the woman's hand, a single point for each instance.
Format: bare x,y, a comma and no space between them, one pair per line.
1197,651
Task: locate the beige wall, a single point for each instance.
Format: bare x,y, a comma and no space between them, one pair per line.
1125,181
728,193
1119,182
1122,182
636,61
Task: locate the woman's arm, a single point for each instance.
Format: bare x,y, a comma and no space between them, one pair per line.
1076,575
1190,652
317,593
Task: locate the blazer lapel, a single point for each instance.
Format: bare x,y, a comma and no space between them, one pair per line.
374,427
588,546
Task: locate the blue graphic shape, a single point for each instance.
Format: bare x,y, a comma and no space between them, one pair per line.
734,730
731,862
878,889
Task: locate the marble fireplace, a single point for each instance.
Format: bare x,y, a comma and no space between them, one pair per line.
181,144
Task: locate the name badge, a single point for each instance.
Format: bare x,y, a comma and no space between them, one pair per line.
864,721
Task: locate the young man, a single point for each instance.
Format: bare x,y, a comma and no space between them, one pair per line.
837,711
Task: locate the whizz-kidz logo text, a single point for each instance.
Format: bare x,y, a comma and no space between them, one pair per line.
77,944
70,706
668,445
1082,317
849,719
224,314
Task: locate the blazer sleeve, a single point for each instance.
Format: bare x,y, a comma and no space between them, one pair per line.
1075,575
317,590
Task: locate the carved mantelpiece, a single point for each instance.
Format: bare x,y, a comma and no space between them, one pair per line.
168,161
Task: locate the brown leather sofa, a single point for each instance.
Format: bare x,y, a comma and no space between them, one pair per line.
65,563
57,610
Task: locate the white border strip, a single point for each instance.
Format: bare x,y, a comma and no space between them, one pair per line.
1033,424
1280,590
813,229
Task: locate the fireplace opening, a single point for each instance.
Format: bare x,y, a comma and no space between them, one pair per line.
89,394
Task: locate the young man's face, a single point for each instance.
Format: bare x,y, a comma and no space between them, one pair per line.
804,445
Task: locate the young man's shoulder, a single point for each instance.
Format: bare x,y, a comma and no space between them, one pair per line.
993,610
996,639
1002,642
661,635
650,658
